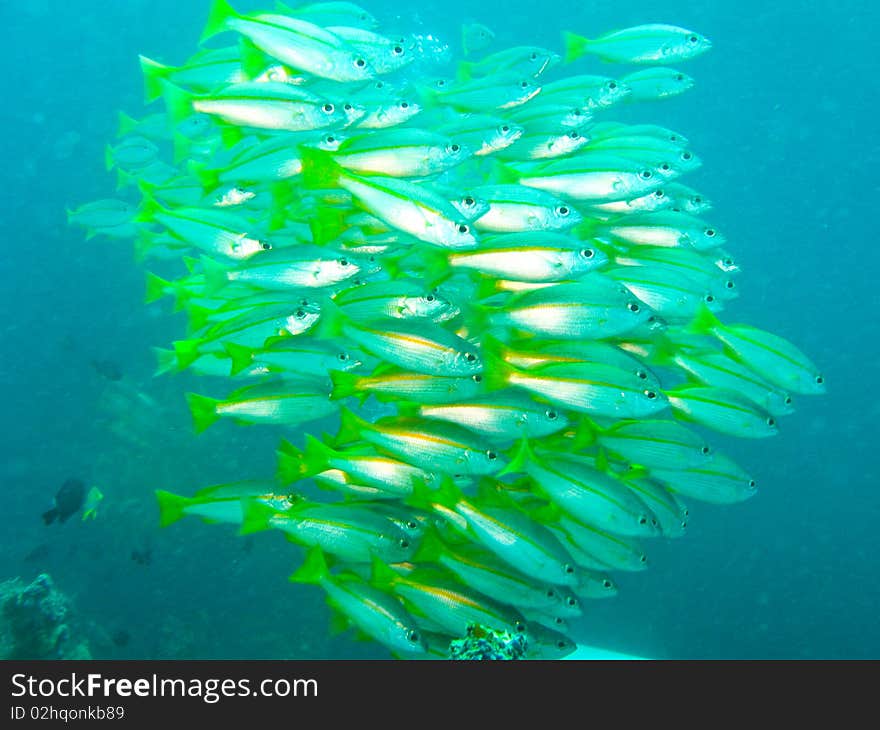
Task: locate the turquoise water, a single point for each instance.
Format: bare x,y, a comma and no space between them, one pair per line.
784,117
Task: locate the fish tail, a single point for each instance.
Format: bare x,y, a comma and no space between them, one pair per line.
109,162
331,321
430,548
240,356
204,410
521,457
705,322
125,179
149,208
187,352
382,577
156,288
313,570
179,102
253,60
154,74
464,71
345,385
127,124
320,171
576,46
326,225
256,517
216,276
166,361
220,14
208,179
496,374
171,507
350,427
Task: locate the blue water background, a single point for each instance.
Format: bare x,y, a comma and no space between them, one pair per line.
785,117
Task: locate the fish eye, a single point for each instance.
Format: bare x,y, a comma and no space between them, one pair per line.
265,245
787,400
491,455
709,298
464,228
411,525
360,62
710,232
329,139
343,356
348,107
647,174
519,627
525,84
430,298
819,380
730,285
534,56
612,85
561,645
643,558
705,450
686,155
572,602
697,200
665,167
643,520
607,583
441,83
551,415
752,484
573,135
404,543
454,148
505,128
477,378
659,194
563,210
397,50
379,84
343,262
679,77
551,593
693,39
404,105
413,637
587,253
632,307
568,569
328,108
650,394
299,313
470,357
771,422
469,202
641,374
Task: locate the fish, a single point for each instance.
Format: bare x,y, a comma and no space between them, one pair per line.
475,37
651,43
469,283
67,501
374,612
90,505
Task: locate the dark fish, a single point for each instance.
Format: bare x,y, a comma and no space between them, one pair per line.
142,557
68,500
108,369
40,552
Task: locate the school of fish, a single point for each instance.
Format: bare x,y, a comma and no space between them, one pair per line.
503,303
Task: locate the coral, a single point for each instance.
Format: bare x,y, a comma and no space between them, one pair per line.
35,622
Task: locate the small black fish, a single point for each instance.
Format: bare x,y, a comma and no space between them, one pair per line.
68,500
107,369
142,557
